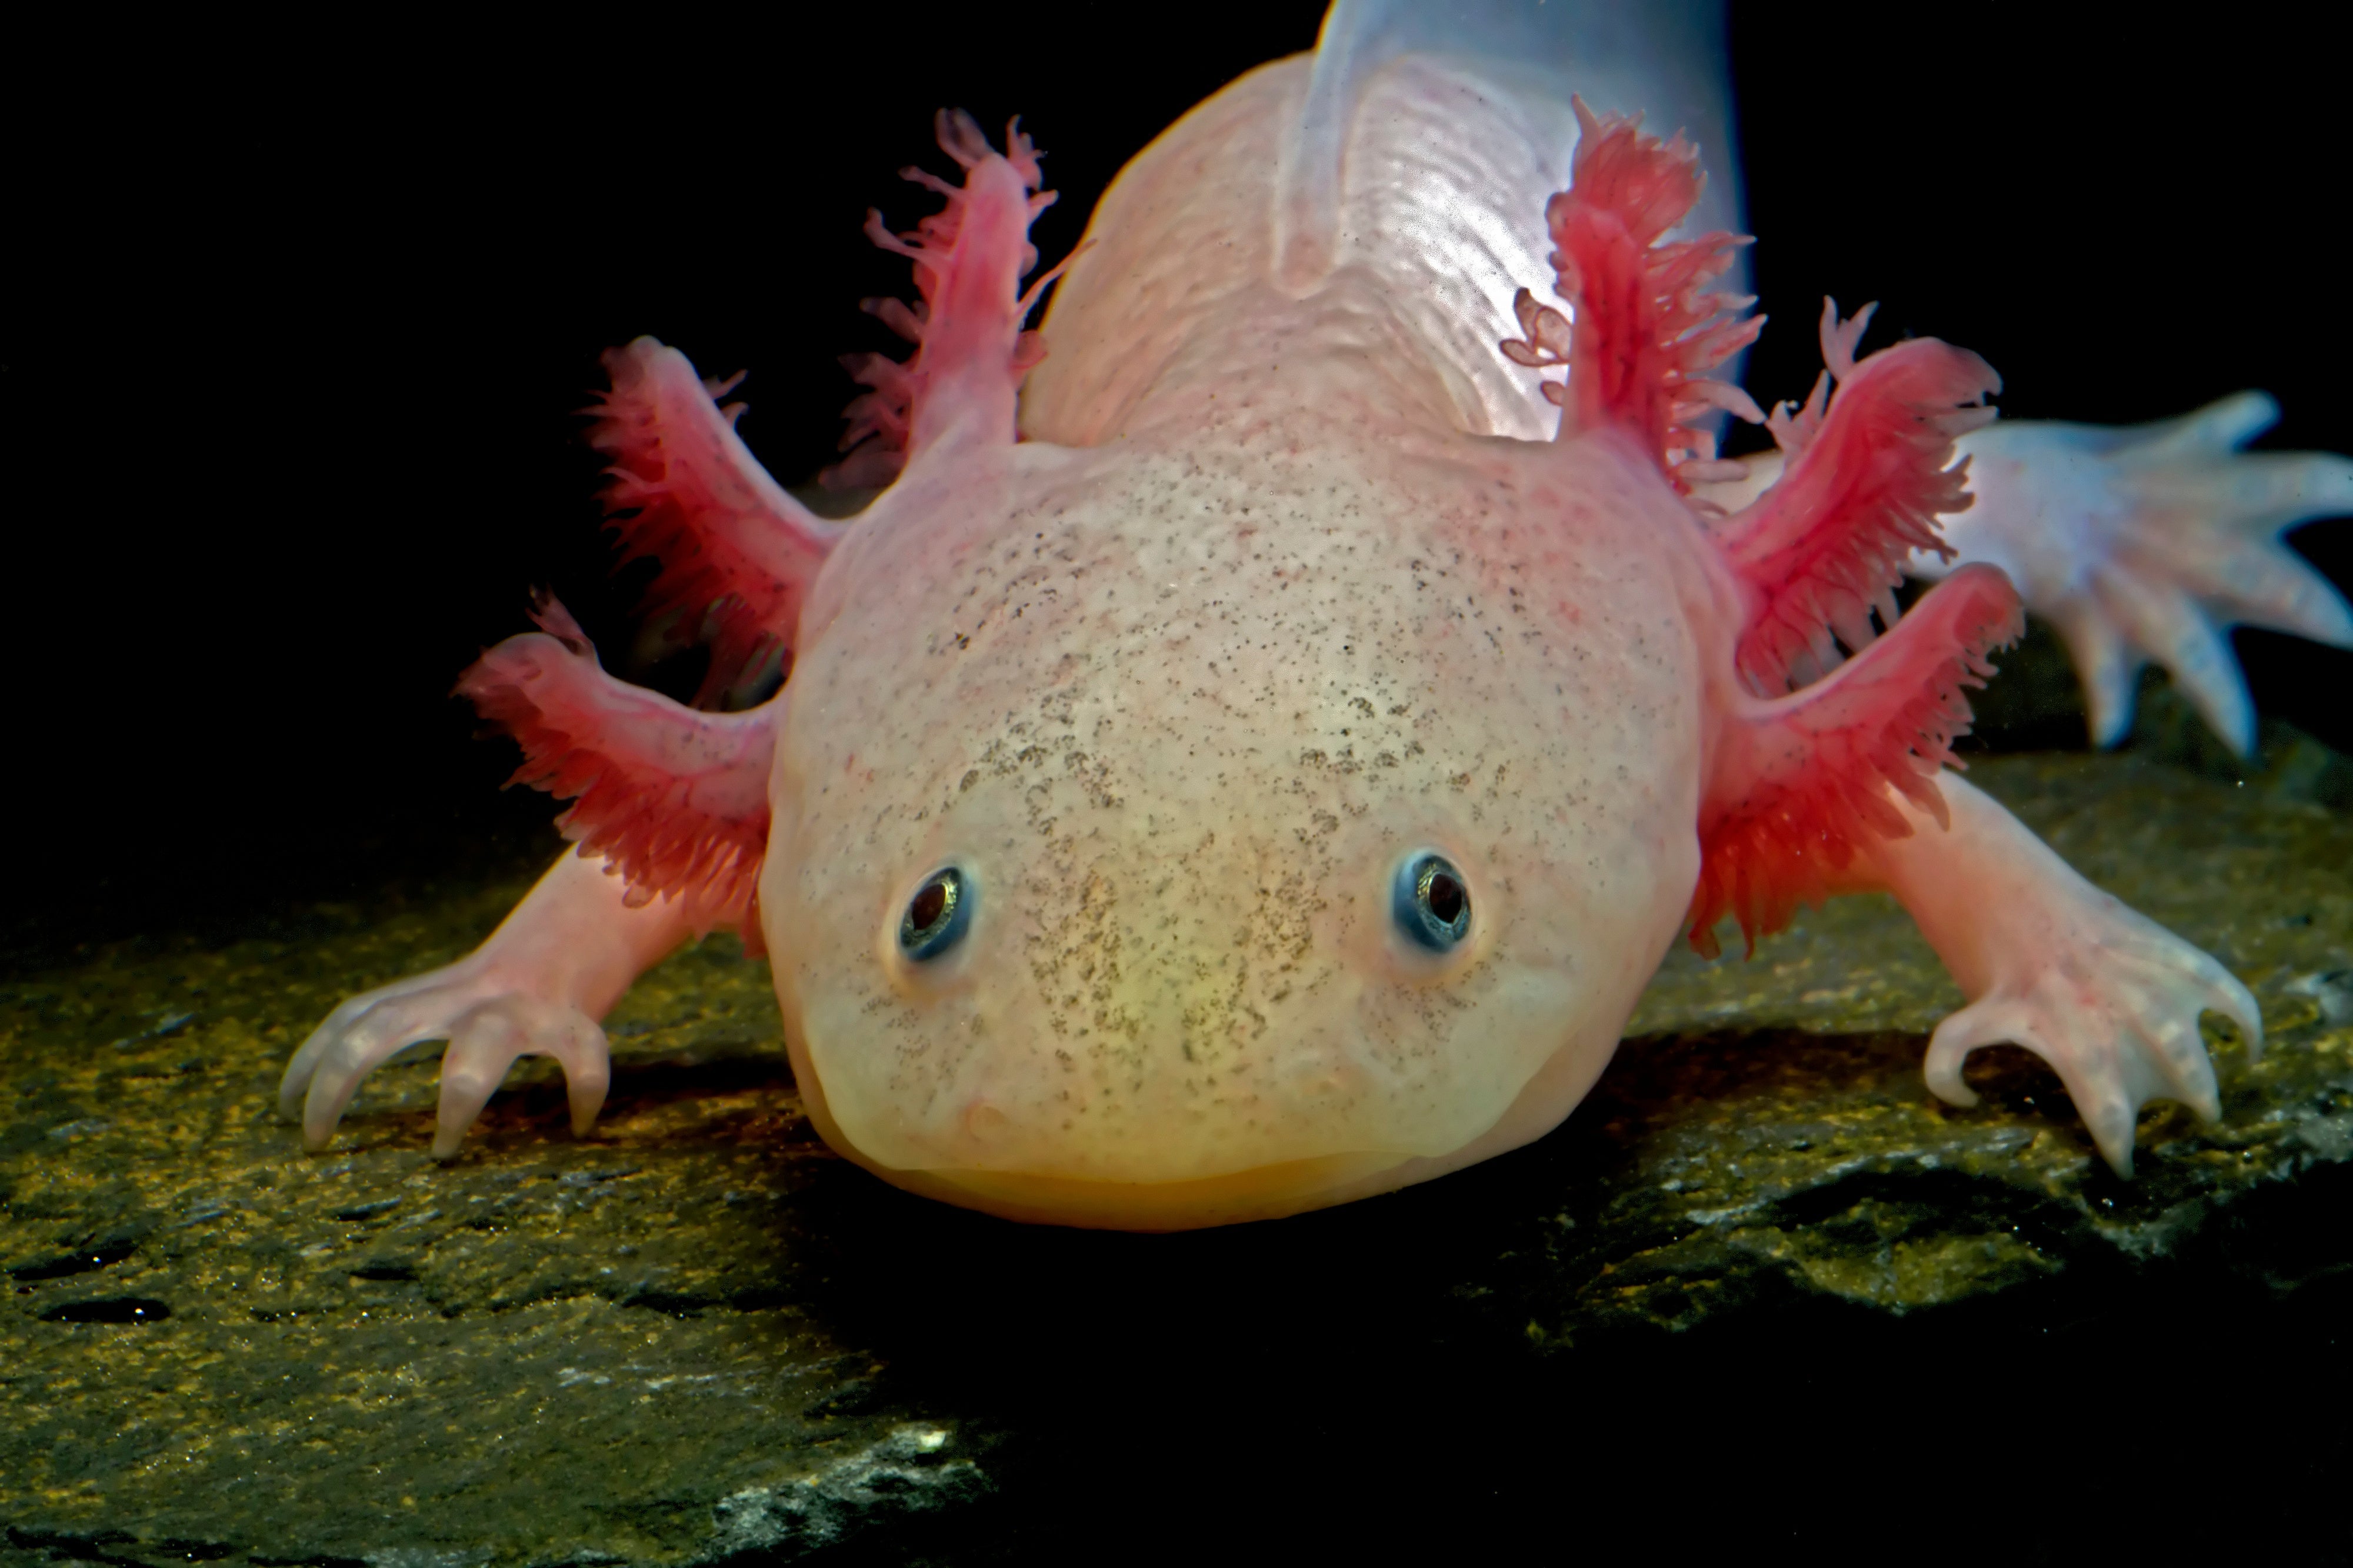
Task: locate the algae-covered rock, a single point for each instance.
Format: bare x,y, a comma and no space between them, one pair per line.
698,1336
1768,1120
549,1352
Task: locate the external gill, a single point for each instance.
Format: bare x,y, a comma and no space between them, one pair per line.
1643,328
970,349
1867,473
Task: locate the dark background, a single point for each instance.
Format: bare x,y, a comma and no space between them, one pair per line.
301,325
296,324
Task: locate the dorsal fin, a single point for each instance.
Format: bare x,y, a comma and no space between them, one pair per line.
1670,54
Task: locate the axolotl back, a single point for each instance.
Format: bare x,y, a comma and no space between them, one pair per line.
1254,754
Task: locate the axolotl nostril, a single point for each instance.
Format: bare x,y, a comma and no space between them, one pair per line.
1276,715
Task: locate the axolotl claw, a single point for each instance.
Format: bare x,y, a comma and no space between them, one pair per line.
536,987
2106,995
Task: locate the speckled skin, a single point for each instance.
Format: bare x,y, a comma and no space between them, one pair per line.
1287,582
1180,704
1180,713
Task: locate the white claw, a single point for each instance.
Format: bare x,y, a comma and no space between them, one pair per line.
2161,620
585,1087
296,1082
484,1045
481,1048
1988,1021
2219,428
2112,1007
2103,664
395,1018
488,1023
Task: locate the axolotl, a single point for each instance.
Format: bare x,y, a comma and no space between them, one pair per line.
1253,755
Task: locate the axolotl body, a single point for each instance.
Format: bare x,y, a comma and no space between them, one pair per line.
1254,755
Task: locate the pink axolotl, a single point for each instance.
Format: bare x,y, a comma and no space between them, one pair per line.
1254,756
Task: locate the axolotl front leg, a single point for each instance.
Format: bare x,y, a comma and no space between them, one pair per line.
670,803
671,817
1836,788
1825,772
2104,994
538,987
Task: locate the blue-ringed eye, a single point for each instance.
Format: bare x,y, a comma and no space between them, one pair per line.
1430,904
937,916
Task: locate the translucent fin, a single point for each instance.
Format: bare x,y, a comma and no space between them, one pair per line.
1668,59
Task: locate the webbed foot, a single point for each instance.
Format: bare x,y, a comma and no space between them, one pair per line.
2111,1000
2145,543
555,965
475,1005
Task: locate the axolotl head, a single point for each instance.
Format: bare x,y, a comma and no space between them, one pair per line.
1161,842
1262,787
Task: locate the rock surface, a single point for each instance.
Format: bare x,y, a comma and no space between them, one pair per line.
699,1337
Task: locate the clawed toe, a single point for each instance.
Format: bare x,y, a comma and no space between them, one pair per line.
487,1027
2147,544
485,1043
2117,1023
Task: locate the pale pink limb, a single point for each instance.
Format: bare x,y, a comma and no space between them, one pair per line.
2048,962
2145,543
737,553
538,987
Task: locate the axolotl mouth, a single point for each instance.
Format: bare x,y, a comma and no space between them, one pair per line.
1268,1192
1140,1071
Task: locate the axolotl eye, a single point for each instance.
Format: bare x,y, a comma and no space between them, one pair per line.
1430,902
937,916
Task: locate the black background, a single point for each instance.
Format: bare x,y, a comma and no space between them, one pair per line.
293,362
